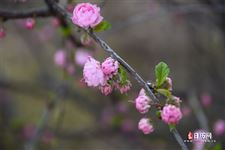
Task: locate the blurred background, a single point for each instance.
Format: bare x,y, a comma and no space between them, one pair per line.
46,106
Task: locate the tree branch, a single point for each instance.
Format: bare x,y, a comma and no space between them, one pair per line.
40,12
53,6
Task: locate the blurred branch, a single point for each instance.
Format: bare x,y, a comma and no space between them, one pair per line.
201,117
54,7
9,14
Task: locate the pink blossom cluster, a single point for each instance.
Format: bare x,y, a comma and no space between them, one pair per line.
145,126
142,102
171,114
86,15
100,75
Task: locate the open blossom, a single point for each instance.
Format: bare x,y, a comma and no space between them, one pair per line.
145,126
219,127
86,15
110,67
171,114
106,89
142,102
60,58
93,74
81,56
29,23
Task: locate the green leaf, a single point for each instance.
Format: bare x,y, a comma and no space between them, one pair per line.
158,114
164,92
122,75
104,25
161,72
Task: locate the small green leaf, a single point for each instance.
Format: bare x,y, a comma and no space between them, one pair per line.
66,31
158,114
172,127
164,92
161,72
122,75
104,25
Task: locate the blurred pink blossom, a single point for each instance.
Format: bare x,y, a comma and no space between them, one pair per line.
60,58
2,33
29,23
81,56
171,114
206,99
219,127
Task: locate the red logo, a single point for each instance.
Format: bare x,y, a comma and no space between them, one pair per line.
190,136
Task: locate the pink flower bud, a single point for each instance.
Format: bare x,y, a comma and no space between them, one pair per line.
206,99
145,126
123,88
55,22
142,102
93,74
171,114
60,58
2,33
81,56
29,23
219,127
106,89
69,8
86,15
110,67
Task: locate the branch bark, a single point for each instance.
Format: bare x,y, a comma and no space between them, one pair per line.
38,12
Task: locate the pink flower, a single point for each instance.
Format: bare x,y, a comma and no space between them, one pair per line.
123,88
142,102
145,126
219,127
106,89
171,114
29,23
93,74
2,33
110,67
81,56
86,15
60,58
206,99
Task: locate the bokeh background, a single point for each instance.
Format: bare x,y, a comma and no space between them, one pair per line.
186,34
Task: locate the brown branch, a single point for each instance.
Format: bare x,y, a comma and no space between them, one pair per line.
37,12
53,6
